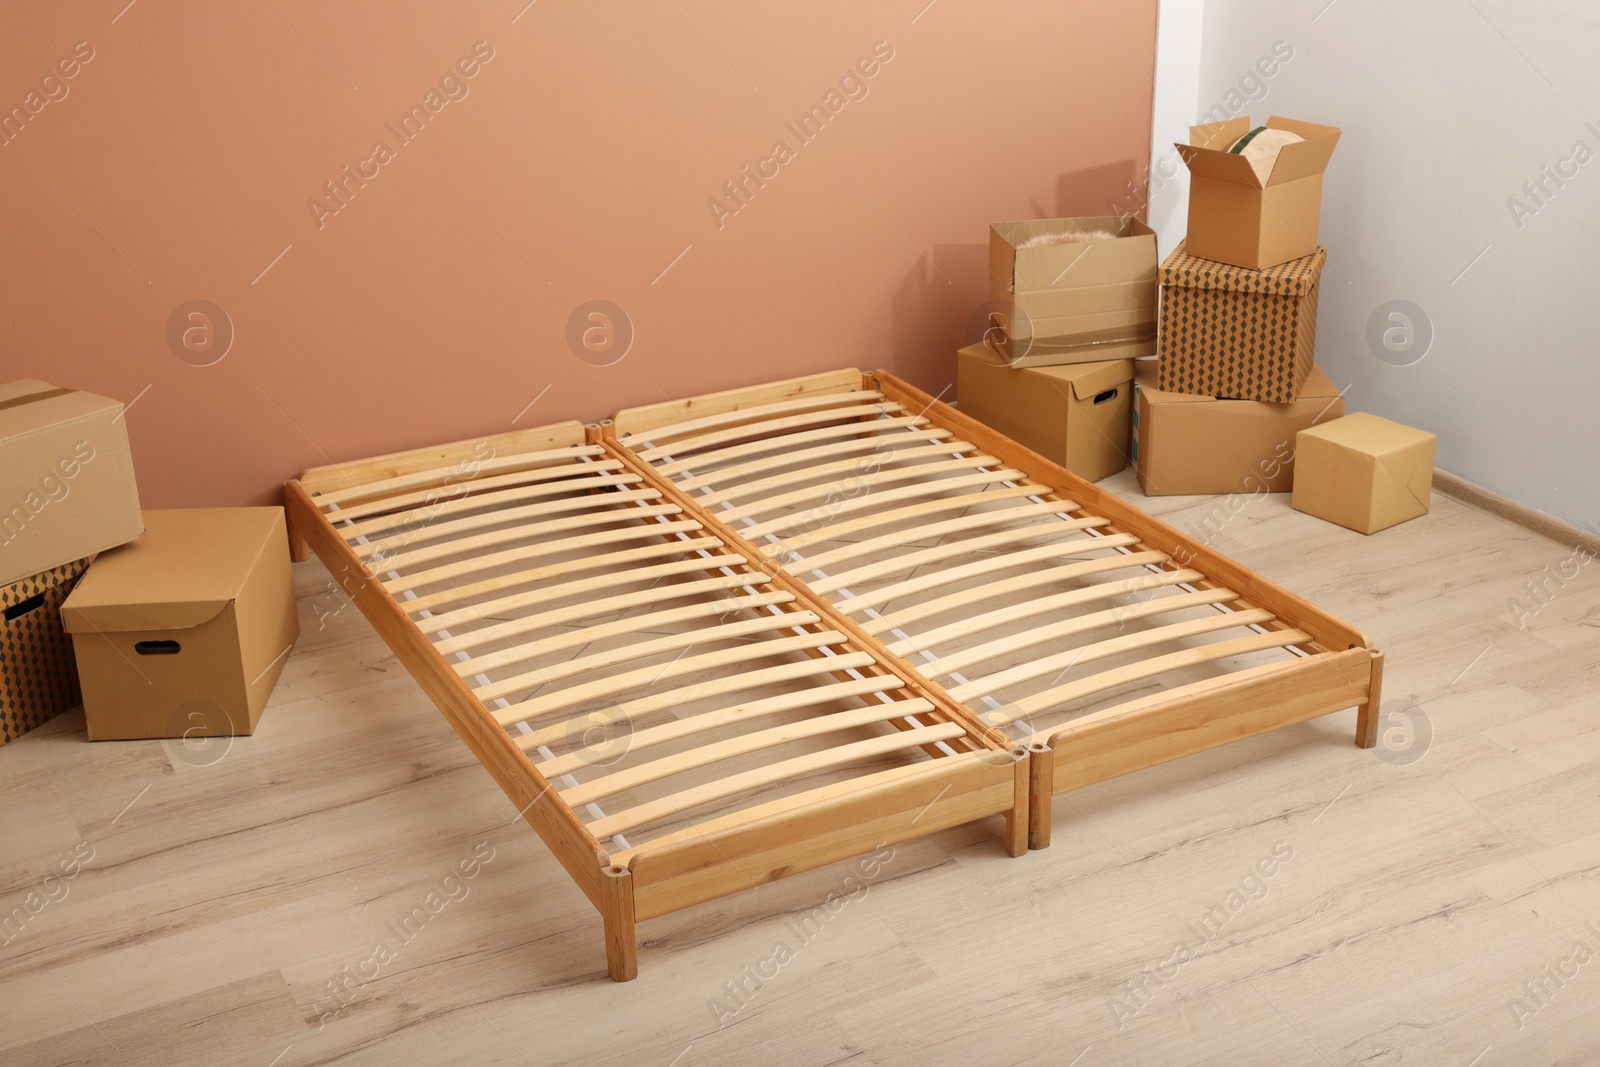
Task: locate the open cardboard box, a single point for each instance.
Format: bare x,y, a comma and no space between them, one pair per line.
1236,218
1085,302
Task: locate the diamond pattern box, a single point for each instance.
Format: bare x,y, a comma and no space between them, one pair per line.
38,675
1238,334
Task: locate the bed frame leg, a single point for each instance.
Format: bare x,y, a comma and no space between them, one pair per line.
299,550
1041,791
1367,714
616,908
1017,817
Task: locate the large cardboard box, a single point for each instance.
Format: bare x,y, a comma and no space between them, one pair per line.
1085,302
1186,444
38,676
1076,414
1237,218
1238,334
1364,472
66,477
184,631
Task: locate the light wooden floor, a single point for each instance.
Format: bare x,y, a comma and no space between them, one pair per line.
226,897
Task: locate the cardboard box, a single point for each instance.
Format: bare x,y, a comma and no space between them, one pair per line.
38,675
66,478
184,631
1238,334
1364,472
1075,303
1076,414
1234,216
1189,445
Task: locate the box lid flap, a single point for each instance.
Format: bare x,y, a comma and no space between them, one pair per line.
1219,165
1091,379
28,405
1294,278
185,570
1219,136
1305,158
1370,434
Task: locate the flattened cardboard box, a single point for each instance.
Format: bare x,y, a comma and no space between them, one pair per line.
1077,415
1236,218
1086,302
1186,444
184,631
38,675
1364,472
1238,334
66,477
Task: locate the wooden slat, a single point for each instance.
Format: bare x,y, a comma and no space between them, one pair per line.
550,460
426,516
762,777
790,457
910,561
700,424
745,489
963,658
882,476
769,841
1188,551
577,636
492,560
977,568
1037,703
634,421
558,480
554,672
638,706
511,534
875,499
719,437
606,561
530,794
977,520
360,471
1072,657
1016,583
609,686
909,513
492,614
735,455
1028,609
616,781
430,530
743,713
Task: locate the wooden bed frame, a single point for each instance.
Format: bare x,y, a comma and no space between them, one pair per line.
551,584
543,567
845,469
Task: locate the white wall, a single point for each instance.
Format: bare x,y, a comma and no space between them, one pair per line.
1448,107
1177,102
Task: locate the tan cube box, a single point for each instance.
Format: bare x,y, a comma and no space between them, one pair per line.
183,632
1079,302
1078,415
1363,472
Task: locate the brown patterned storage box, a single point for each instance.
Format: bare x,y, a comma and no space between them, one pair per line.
38,675
1235,333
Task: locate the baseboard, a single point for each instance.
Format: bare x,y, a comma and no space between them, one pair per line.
1471,493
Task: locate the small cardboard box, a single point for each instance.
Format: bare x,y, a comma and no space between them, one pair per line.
1364,472
184,631
1072,303
1077,414
66,477
1238,334
1187,444
38,675
1236,218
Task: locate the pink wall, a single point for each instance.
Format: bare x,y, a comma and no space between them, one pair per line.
177,163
